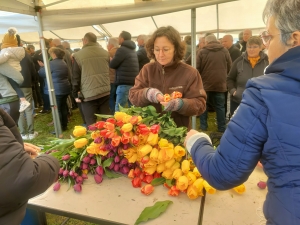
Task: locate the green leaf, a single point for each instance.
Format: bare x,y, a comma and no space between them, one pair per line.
110,174
169,182
83,154
152,110
99,160
107,162
158,181
153,212
104,116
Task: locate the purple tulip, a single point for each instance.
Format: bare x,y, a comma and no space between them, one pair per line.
98,179
124,161
79,180
93,162
111,166
115,149
56,186
65,173
125,170
84,166
77,187
110,155
91,155
116,167
99,170
61,170
98,140
125,146
92,127
84,176
86,160
66,157
131,165
117,159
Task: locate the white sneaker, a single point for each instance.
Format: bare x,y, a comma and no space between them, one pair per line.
34,135
25,136
23,105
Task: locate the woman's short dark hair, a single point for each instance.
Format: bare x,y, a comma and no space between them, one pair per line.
188,40
254,40
173,36
58,52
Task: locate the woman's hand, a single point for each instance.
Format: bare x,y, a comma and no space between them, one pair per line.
40,63
189,134
234,93
160,98
32,150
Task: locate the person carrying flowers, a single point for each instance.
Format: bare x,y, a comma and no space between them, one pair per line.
168,74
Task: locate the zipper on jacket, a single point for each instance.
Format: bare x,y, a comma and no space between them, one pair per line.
163,73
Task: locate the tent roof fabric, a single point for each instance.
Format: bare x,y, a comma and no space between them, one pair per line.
71,19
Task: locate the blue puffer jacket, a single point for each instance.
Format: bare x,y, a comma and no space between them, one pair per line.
265,127
59,71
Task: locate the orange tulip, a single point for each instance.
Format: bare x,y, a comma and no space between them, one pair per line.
167,97
109,126
240,189
147,189
173,191
134,120
115,141
131,174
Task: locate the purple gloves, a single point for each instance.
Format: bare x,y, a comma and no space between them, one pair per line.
174,105
152,93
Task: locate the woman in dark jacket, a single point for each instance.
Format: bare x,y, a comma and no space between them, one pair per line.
251,64
62,86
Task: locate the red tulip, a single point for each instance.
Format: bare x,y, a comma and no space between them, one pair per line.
136,182
119,123
98,179
156,175
65,157
147,189
148,179
137,172
145,159
77,187
135,140
155,128
56,186
125,138
103,133
100,124
111,120
143,129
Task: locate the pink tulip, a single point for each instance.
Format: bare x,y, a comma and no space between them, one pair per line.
79,180
110,155
84,176
93,162
72,173
124,161
111,166
262,184
125,170
92,127
75,175
98,140
91,155
66,157
77,187
98,179
61,170
99,170
56,186
86,160
84,166
125,146
65,173
117,159
116,167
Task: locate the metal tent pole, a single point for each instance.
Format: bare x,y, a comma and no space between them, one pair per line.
218,29
193,53
53,103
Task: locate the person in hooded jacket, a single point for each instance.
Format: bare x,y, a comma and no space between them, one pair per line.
266,126
126,64
251,64
22,177
213,63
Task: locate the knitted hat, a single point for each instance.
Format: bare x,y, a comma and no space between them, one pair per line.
10,38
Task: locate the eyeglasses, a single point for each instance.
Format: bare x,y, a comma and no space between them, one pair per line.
166,51
266,37
253,47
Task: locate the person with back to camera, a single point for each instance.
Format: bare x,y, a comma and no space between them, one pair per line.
266,126
22,177
13,54
166,75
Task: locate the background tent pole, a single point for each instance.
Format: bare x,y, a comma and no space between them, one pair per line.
193,46
53,103
218,29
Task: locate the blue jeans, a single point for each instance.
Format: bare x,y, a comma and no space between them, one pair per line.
217,99
122,96
112,98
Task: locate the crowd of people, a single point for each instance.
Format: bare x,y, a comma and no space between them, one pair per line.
263,110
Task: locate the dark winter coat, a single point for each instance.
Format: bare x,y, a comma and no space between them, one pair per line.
234,53
28,71
142,57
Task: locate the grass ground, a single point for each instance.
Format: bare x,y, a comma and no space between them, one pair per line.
41,126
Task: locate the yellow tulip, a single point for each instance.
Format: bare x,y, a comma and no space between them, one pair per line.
167,174
150,170
169,163
182,183
185,166
198,184
160,167
144,150
133,158
192,192
192,178
79,131
126,118
178,159
80,142
167,153
152,139
127,127
177,173
91,149
102,152
143,139
154,154
151,163
95,134
240,189
119,116
85,171
129,152
175,166
140,119
209,189
196,172
163,142
179,151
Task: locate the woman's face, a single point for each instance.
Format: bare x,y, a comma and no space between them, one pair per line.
253,50
163,50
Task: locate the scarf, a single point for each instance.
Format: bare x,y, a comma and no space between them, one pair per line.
253,61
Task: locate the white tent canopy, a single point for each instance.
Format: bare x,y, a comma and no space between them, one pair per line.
71,19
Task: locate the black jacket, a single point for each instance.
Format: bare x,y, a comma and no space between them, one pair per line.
28,71
234,53
126,63
142,56
21,177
